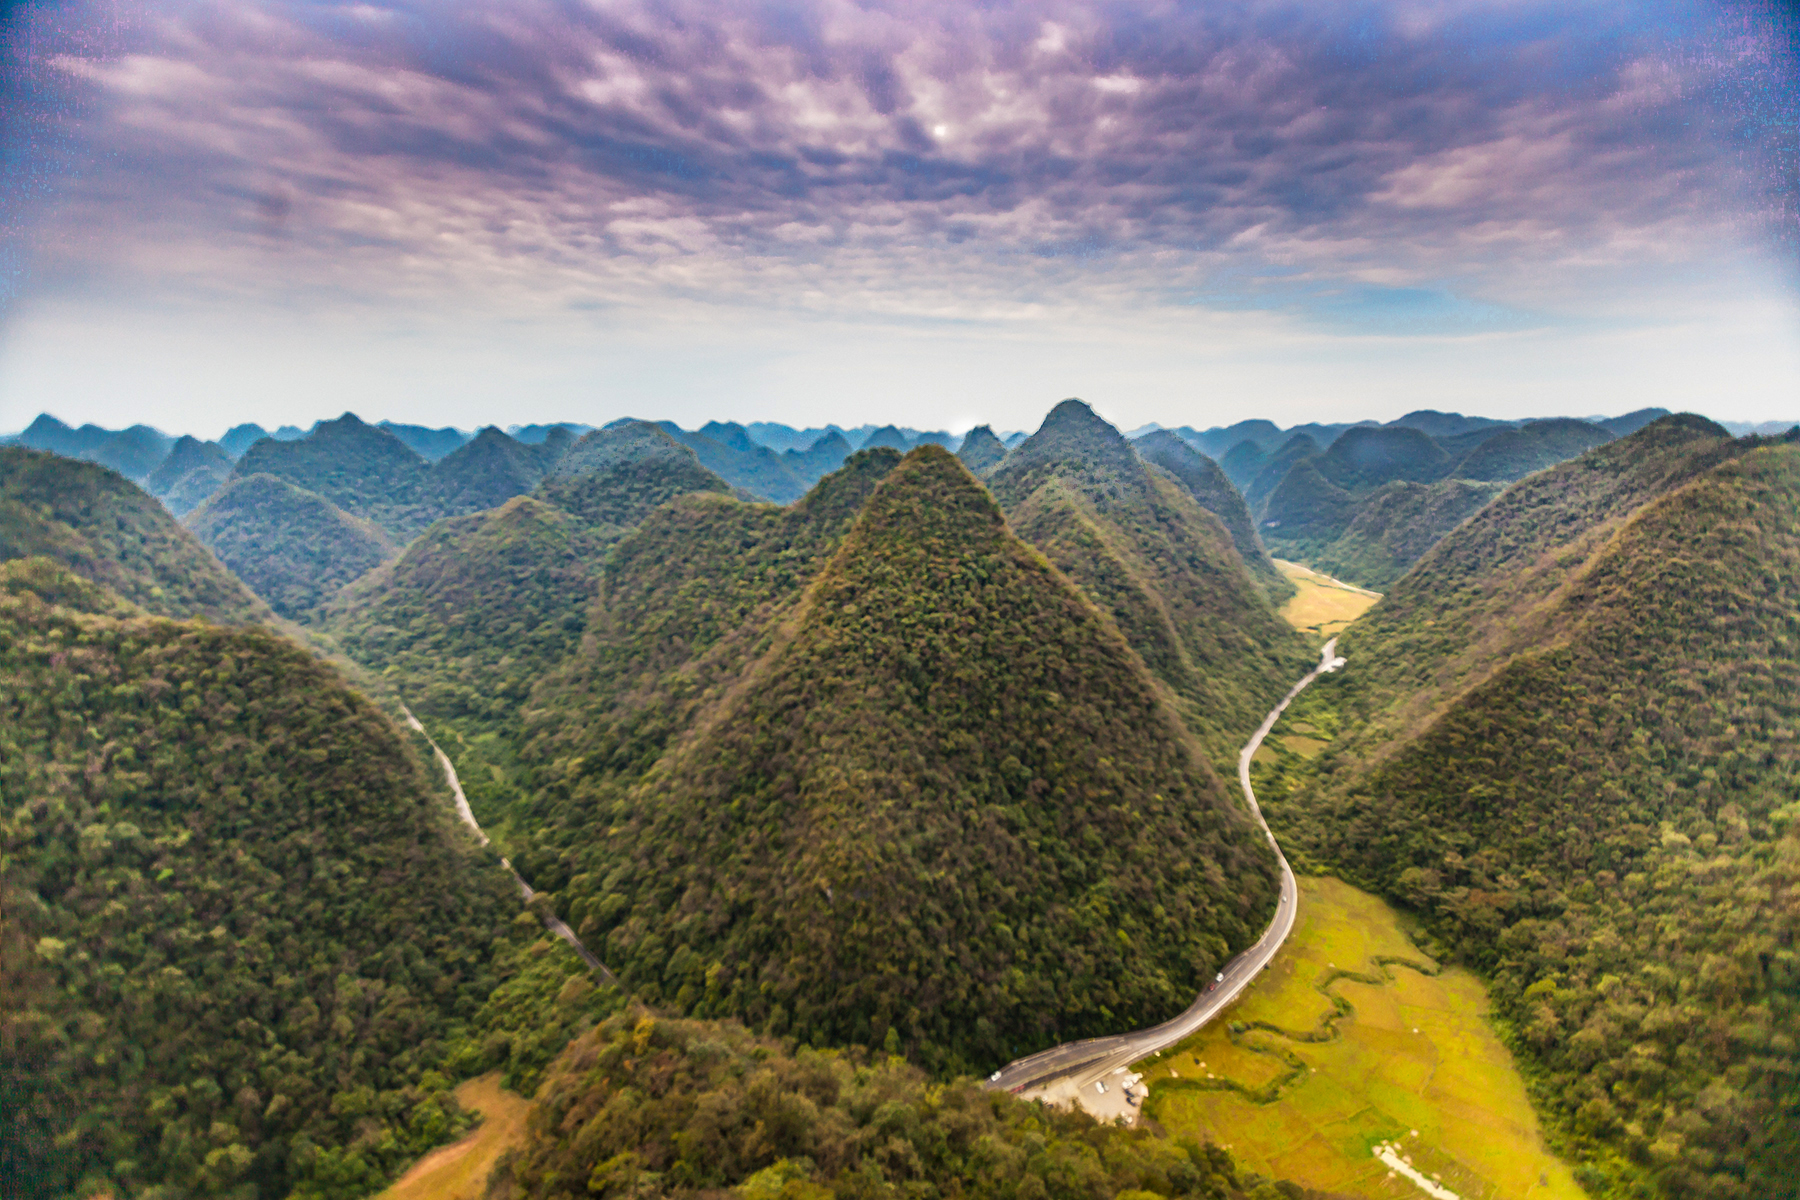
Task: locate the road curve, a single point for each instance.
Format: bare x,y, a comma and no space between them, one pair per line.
1083,1062
551,921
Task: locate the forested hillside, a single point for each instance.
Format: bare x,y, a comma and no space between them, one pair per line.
1140,546
106,529
981,451
1214,492
944,800
1569,743
293,547
1393,528
648,1106
614,477
193,471
239,933
364,470
476,610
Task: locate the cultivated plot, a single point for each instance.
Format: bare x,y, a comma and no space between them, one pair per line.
1353,1040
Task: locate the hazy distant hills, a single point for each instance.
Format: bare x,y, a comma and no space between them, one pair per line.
1570,746
1214,492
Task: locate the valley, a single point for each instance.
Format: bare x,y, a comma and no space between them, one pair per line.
908,778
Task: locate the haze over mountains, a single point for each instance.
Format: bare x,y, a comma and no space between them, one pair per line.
877,746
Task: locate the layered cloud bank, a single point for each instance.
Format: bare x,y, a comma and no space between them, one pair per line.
766,185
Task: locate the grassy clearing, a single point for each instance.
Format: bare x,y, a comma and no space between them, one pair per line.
1342,1045
1322,605
459,1171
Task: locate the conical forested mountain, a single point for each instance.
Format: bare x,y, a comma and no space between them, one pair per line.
1208,484
1275,467
486,472
1306,511
105,528
238,929
684,601
1364,458
193,471
476,611
1159,564
612,478
1242,462
1569,745
913,810
293,547
364,470
1516,453
981,451
1393,528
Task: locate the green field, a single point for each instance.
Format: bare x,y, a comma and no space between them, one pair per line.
1342,1045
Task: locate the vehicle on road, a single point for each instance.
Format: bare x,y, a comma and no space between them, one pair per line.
1217,980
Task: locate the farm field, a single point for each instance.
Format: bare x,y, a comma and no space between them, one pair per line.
1323,605
459,1171
1406,1056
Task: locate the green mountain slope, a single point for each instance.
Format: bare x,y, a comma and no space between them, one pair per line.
193,471
105,528
476,610
1242,463
487,471
1208,485
1516,453
293,547
683,603
946,800
981,451
1393,528
733,1111
237,929
1365,457
1160,565
1305,512
1567,741
366,471
612,478
1275,467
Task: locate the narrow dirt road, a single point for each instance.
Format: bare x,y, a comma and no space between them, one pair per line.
550,919
1071,1071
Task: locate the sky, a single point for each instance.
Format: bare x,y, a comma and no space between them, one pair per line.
934,214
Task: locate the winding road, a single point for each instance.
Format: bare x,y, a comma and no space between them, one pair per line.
551,921
1075,1067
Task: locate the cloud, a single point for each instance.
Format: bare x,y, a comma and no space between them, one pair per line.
905,158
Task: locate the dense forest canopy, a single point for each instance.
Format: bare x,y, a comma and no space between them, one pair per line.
293,547
1163,568
650,1106
104,528
239,930
1572,750
945,799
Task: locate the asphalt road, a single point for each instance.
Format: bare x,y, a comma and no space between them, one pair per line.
551,922
1082,1063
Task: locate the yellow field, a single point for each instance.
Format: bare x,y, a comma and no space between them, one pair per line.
459,1171
1406,1055
1323,605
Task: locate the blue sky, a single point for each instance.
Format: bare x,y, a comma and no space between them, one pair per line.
934,214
